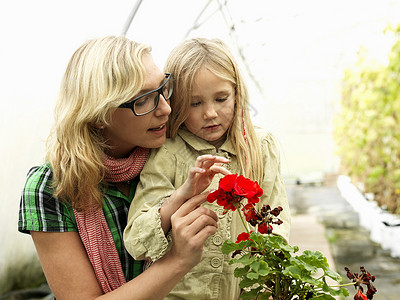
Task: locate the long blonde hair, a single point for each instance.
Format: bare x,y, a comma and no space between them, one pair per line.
102,74
184,62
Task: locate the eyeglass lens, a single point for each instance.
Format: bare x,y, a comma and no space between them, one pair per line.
149,102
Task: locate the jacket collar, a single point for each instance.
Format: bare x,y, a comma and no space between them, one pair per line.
202,145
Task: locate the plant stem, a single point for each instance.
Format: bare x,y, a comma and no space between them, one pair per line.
241,218
342,285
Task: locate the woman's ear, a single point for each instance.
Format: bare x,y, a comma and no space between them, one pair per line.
98,125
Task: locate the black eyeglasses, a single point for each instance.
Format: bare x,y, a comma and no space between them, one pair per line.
148,102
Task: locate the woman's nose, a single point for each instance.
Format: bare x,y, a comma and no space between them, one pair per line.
163,107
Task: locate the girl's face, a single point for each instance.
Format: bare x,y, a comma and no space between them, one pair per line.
211,108
127,131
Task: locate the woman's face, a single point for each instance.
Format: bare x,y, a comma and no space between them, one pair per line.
127,131
211,108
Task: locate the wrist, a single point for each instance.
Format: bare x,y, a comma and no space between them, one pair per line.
179,266
180,195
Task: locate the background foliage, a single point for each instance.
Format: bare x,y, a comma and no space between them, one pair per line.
367,130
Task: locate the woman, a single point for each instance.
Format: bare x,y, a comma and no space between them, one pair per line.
112,107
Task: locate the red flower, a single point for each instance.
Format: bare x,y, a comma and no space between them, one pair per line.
248,189
244,236
233,189
227,183
264,228
362,278
360,295
250,214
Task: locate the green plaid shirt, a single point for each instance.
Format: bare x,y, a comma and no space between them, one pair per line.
41,211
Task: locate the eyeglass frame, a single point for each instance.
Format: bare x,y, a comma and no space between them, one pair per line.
131,103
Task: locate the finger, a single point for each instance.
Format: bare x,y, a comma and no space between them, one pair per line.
202,219
198,213
220,169
218,160
198,220
202,158
207,160
203,234
195,170
191,204
221,159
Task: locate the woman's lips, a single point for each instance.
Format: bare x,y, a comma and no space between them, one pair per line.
159,130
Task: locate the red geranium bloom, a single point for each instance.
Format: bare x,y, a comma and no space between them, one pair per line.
227,183
360,295
250,213
248,189
264,228
362,278
244,236
233,189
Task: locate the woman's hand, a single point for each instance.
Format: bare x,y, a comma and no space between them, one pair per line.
192,224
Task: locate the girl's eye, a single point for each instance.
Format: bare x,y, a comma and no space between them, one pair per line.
194,104
221,99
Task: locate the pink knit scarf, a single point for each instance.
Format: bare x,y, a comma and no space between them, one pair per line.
93,228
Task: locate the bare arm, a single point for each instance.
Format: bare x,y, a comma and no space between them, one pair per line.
71,276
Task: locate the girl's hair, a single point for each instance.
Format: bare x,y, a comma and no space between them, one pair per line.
184,62
102,74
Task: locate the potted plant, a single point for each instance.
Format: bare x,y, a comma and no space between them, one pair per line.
266,264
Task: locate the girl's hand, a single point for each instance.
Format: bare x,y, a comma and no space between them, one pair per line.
201,175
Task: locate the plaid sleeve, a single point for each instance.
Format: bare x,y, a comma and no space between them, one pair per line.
39,209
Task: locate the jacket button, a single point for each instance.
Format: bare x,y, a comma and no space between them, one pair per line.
217,240
215,262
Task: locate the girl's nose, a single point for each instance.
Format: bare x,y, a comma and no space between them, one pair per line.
210,112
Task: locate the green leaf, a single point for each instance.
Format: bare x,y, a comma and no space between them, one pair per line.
264,296
323,297
245,260
264,269
240,272
335,292
248,295
300,273
228,246
255,265
252,275
293,271
334,275
246,282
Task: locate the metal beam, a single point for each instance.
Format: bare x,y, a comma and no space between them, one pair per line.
130,17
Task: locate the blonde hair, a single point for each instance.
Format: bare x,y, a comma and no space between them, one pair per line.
101,74
184,62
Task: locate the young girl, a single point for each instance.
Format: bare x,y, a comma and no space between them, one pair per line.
209,116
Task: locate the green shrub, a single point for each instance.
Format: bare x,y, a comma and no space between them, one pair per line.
21,273
367,130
